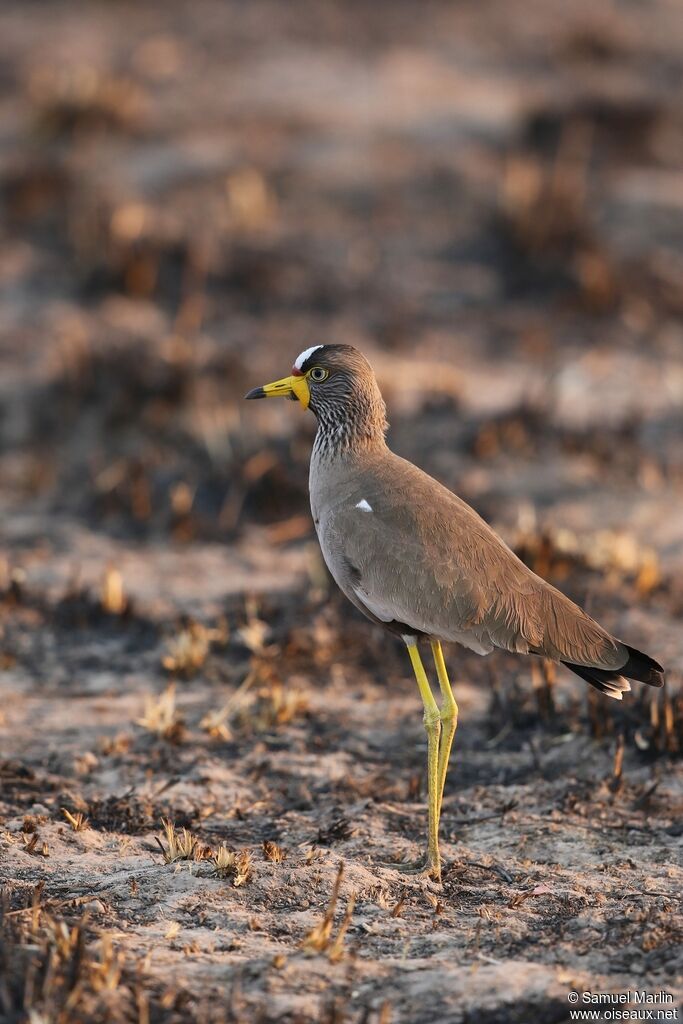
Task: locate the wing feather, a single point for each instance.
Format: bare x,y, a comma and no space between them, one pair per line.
432,563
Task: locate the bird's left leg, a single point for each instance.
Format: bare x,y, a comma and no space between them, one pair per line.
449,720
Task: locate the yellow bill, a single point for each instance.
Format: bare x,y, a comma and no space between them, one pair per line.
289,387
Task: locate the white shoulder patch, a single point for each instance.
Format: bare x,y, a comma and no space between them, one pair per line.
364,505
301,359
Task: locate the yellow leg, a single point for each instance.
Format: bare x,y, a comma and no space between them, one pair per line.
449,720
432,724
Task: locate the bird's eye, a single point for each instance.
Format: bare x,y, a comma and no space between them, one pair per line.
317,373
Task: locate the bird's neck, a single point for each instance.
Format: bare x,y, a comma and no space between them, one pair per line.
358,428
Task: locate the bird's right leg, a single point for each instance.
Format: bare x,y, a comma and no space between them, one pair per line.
431,864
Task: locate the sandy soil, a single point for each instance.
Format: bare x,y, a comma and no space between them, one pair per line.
486,199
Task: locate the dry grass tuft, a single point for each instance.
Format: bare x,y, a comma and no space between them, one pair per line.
665,733
271,705
398,908
255,630
106,972
256,709
215,723
236,866
273,852
161,717
54,970
114,745
34,845
180,844
189,649
320,939
337,832
78,821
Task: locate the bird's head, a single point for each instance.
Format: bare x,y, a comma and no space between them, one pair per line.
337,383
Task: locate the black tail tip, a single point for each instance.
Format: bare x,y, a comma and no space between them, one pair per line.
643,668
612,682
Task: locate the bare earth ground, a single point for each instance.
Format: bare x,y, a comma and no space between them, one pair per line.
485,197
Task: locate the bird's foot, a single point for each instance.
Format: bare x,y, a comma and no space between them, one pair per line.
424,867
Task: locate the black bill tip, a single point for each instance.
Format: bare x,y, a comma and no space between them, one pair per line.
255,393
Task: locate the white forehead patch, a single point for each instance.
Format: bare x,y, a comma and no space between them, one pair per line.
300,360
364,505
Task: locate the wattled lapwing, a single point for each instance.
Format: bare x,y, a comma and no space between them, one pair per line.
412,556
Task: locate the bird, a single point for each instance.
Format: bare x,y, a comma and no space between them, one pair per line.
415,558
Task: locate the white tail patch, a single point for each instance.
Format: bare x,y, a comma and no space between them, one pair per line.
618,689
364,505
301,359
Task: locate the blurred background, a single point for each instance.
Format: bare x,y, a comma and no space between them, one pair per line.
487,199
488,202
